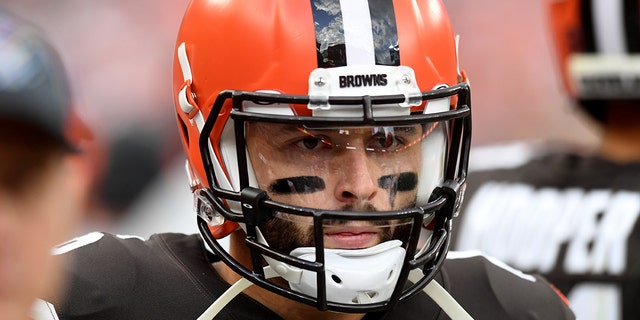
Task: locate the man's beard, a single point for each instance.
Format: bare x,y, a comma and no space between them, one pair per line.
286,235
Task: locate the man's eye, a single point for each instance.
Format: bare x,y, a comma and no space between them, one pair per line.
386,141
312,143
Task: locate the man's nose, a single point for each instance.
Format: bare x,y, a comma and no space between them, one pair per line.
355,181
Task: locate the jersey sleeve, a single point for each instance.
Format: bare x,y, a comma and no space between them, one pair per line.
102,271
168,276
43,310
487,287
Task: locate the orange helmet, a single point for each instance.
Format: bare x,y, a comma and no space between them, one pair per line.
597,45
278,102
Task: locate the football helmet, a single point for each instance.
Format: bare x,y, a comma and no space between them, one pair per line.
335,133
597,45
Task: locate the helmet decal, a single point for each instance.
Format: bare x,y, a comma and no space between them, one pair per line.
337,47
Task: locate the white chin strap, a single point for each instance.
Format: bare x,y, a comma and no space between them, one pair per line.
365,276
359,276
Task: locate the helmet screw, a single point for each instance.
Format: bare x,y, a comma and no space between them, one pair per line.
406,79
319,82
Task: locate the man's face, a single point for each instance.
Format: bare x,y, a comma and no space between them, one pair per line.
42,196
349,169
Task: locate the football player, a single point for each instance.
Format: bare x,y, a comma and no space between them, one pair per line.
328,142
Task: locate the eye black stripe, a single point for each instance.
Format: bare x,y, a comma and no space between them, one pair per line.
293,185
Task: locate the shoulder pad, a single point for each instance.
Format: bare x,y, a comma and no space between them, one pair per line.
486,286
102,273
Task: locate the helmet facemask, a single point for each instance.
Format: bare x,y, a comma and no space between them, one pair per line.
333,204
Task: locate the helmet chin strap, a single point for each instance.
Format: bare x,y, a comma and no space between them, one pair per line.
345,281
433,289
441,297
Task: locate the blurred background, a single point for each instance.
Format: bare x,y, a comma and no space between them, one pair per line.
516,90
119,55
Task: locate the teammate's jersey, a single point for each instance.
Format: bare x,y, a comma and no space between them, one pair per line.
170,276
571,218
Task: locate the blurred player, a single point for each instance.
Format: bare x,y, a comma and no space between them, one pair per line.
43,179
572,216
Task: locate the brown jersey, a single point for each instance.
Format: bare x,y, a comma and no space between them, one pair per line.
170,276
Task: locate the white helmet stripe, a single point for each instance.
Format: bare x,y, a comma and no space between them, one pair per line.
357,32
347,35
184,62
608,26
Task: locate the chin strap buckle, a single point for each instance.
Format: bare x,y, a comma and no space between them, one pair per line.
251,201
453,191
